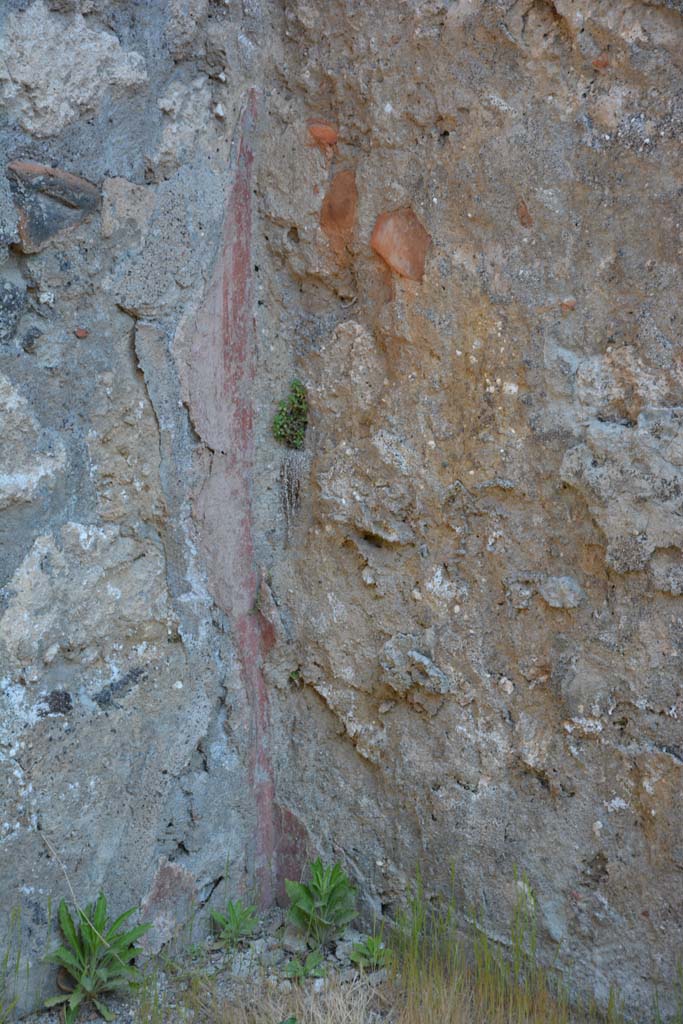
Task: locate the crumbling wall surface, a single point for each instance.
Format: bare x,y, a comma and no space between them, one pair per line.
479,600
129,709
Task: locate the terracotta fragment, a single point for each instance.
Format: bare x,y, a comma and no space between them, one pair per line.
601,62
402,242
338,211
323,133
53,181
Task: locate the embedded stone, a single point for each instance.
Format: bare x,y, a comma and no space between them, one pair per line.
338,211
73,584
519,595
55,68
12,303
561,592
49,200
9,231
31,458
293,941
402,242
666,569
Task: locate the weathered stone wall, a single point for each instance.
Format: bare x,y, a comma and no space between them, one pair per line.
447,631
129,704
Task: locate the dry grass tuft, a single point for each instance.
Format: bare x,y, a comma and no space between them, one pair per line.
356,1002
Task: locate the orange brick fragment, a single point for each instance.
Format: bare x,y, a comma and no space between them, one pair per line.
601,62
525,218
338,211
323,133
402,242
81,332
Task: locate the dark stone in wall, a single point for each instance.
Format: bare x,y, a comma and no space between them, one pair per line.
49,201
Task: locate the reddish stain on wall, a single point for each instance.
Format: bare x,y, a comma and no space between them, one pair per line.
221,376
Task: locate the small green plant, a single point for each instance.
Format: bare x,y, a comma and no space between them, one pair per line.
237,923
98,958
370,954
322,908
196,951
291,418
312,967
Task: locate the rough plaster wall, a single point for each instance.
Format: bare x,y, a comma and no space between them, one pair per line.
448,630
481,587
